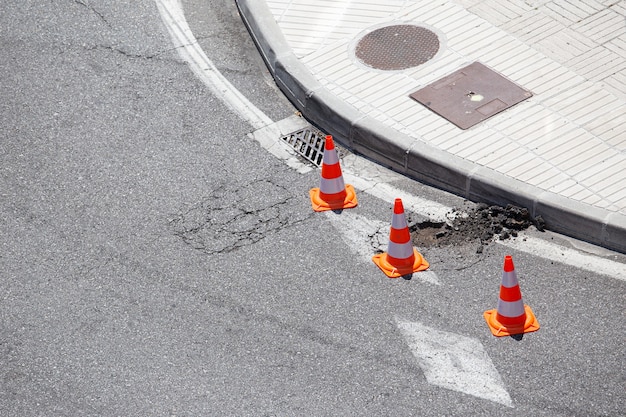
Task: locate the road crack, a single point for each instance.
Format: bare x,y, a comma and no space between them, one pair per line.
93,10
231,217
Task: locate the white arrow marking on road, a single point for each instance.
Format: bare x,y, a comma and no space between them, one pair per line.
365,237
454,362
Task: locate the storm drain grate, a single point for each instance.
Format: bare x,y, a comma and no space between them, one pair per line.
309,143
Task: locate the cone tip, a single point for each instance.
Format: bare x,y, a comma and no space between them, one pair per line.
329,144
398,208
508,263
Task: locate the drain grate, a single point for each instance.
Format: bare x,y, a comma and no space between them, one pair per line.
309,143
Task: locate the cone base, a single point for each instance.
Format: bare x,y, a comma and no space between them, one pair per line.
349,200
419,264
498,329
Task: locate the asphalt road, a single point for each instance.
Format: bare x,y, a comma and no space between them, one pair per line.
156,260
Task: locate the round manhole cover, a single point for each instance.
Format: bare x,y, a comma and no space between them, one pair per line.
397,47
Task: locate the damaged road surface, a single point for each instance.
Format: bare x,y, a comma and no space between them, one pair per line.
480,224
232,217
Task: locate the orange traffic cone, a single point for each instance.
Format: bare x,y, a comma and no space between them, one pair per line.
401,257
512,316
333,194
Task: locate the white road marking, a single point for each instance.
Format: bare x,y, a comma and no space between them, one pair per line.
387,192
190,51
364,237
454,362
554,252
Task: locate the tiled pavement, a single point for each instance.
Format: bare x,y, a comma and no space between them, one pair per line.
561,152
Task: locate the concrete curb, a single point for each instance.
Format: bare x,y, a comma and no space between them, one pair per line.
426,164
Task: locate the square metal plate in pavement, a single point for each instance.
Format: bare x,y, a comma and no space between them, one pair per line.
470,95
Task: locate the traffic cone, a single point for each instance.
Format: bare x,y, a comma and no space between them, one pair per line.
512,316
332,194
401,257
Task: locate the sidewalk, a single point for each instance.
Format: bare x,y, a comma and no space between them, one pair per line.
560,151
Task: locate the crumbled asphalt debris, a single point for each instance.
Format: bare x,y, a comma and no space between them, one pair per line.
478,225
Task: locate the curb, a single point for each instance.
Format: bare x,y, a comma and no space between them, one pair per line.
429,165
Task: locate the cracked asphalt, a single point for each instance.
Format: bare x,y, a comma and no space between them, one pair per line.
238,215
155,260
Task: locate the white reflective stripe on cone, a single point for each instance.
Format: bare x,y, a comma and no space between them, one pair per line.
509,279
332,186
511,308
330,157
398,221
400,250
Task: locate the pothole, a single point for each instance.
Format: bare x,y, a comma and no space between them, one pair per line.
481,225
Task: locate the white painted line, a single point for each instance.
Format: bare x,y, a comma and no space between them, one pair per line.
375,180
365,237
190,51
568,256
267,132
454,362
386,192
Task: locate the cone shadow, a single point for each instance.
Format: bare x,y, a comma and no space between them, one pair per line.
407,277
517,337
